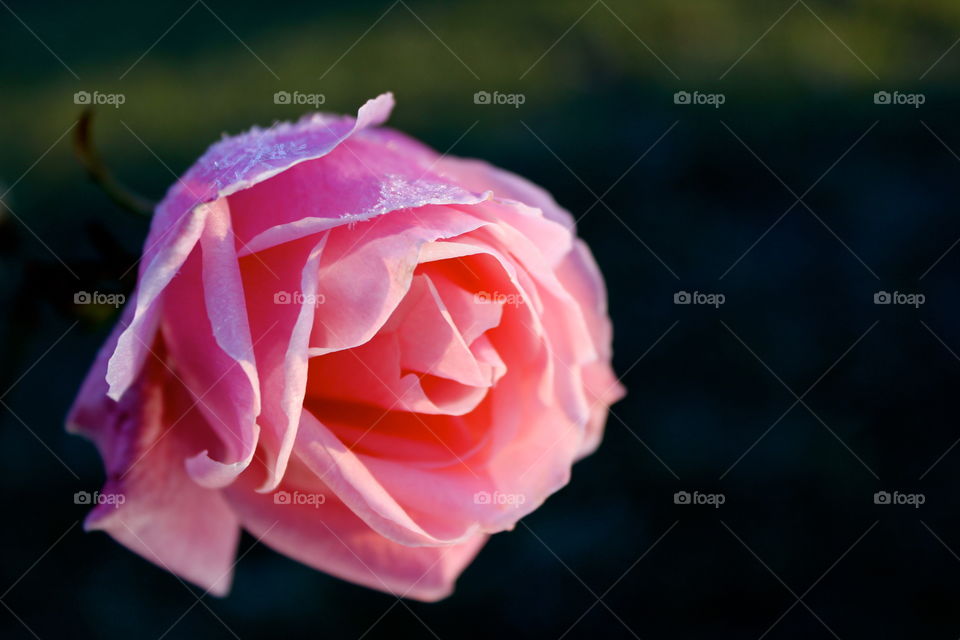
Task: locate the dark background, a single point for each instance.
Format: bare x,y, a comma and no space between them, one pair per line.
799,519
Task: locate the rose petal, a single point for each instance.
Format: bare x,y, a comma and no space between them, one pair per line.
144,440
281,299
329,537
206,330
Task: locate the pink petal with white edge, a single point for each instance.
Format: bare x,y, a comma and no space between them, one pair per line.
229,166
206,331
280,286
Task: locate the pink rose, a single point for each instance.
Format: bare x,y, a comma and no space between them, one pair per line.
367,355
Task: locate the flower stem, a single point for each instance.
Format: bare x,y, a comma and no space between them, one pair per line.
100,175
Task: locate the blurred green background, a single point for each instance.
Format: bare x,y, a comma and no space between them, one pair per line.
694,199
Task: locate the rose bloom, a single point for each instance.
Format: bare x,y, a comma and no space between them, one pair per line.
367,355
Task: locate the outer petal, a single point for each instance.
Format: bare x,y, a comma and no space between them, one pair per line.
478,174
582,278
357,181
472,174
144,440
163,259
205,327
229,166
